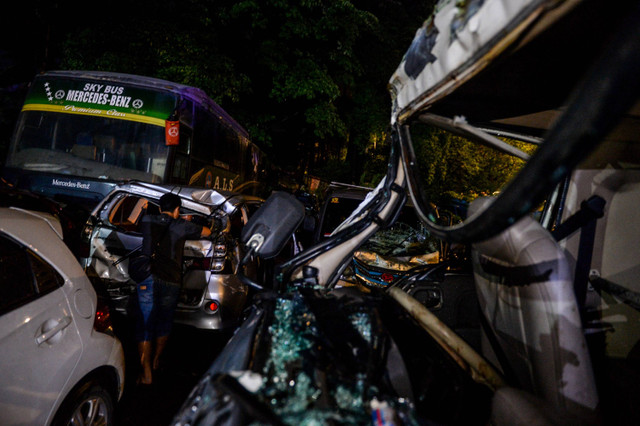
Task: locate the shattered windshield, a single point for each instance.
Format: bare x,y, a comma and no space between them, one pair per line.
406,237
404,244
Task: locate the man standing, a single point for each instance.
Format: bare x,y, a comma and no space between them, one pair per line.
163,238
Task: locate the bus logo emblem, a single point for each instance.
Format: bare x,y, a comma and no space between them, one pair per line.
172,132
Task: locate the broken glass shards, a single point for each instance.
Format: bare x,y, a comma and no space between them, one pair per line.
324,362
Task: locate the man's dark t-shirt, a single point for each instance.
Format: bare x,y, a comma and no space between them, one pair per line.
171,234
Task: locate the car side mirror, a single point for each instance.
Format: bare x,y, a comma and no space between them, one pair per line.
271,226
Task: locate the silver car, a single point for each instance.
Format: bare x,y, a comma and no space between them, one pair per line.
59,359
212,295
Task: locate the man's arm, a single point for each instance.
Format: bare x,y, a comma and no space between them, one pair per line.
204,231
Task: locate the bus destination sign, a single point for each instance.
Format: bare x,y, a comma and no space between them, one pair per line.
100,99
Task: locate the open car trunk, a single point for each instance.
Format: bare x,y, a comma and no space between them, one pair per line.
211,295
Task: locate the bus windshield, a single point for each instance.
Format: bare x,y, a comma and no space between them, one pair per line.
89,146
74,125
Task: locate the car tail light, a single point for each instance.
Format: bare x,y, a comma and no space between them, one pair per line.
207,264
202,263
211,306
387,278
218,256
102,322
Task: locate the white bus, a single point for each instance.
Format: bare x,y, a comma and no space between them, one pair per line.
81,131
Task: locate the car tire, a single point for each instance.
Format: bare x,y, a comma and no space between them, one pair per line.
88,404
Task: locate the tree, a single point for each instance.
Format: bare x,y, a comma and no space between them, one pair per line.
453,167
303,67
306,77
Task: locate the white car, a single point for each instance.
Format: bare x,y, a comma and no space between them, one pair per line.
59,360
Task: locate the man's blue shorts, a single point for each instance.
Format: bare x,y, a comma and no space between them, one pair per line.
157,300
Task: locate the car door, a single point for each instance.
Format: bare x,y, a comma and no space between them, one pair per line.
116,234
39,342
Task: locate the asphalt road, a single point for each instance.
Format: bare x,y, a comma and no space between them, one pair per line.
188,355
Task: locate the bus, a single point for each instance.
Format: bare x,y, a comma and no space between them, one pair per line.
81,132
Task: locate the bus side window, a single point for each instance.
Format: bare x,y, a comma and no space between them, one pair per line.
185,145
227,148
186,112
205,135
179,172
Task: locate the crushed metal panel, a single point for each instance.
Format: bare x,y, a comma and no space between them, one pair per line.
104,263
447,49
397,264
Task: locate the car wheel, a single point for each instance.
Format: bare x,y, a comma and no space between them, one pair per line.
88,404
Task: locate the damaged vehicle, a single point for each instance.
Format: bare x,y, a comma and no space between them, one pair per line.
71,217
405,254
557,297
212,295
391,253
60,360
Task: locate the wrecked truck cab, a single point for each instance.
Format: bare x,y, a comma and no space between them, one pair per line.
307,354
212,296
558,74
314,351
557,301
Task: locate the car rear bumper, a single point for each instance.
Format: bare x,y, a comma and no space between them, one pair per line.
225,290
200,289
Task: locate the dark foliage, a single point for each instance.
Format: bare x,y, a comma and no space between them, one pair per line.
307,78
